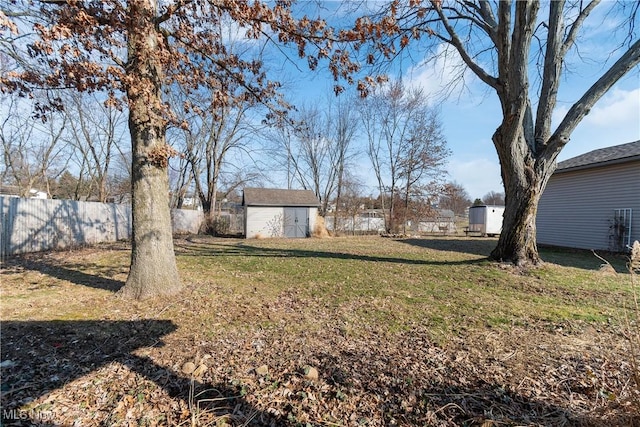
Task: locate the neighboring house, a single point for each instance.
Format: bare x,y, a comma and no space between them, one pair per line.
191,202
14,191
37,194
279,213
592,201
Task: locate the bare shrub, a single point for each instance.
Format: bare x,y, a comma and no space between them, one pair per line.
319,229
215,226
634,263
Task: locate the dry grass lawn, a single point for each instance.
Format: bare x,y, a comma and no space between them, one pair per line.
360,331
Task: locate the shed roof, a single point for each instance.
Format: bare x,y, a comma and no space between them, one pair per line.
445,213
10,190
439,215
603,156
278,197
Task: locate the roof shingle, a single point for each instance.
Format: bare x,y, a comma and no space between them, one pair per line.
615,154
278,197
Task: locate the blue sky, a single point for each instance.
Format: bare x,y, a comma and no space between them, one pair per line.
471,115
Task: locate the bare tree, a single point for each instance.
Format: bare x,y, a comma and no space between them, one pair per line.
421,165
121,177
405,145
305,146
33,152
180,178
351,200
280,147
341,126
493,198
455,198
98,134
505,44
214,133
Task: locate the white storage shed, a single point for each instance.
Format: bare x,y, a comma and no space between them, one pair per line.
273,212
486,220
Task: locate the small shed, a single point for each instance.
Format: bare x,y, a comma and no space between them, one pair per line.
441,221
271,212
485,219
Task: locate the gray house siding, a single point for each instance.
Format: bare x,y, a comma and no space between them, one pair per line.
577,208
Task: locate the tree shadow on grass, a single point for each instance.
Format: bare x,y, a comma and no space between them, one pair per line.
437,392
583,259
566,257
210,249
39,357
472,246
73,273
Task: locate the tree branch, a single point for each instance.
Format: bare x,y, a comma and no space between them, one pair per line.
503,42
457,43
487,15
525,20
171,10
571,37
553,59
581,108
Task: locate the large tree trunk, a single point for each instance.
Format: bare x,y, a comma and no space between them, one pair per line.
525,178
338,201
153,270
517,242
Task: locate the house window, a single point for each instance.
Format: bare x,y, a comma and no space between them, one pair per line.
620,230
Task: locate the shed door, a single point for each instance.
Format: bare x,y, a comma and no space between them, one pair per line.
296,222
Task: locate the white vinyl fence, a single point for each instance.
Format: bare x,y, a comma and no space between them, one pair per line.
358,224
32,225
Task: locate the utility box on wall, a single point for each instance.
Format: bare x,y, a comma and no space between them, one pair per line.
486,220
